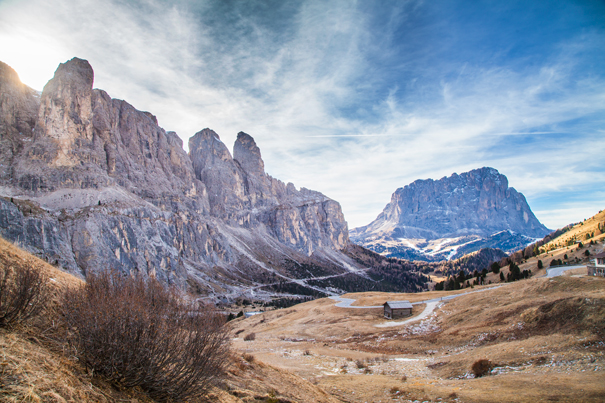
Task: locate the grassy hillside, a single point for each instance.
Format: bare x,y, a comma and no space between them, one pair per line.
36,367
543,338
592,228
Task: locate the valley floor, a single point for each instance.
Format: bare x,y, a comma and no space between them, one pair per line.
544,337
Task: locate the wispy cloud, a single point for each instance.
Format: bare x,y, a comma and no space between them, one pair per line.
352,99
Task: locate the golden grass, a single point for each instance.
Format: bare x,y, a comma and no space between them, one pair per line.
379,298
251,380
38,368
579,232
31,373
13,256
543,335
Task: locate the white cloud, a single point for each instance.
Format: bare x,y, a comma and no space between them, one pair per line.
306,93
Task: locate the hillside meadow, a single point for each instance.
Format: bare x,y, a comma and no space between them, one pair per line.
540,339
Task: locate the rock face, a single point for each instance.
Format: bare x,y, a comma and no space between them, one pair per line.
460,210
90,183
19,106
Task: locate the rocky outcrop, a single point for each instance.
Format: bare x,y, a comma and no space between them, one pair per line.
94,183
86,140
19,106
242,194
460,209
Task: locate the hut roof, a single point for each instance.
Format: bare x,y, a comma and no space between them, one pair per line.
398,304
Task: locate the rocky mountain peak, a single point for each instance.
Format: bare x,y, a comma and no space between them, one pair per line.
8,75
18,105
74,77
478,203
247,153
66,111
18,114
98,184
205,148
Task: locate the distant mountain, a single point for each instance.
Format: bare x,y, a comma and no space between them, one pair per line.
447,218
90,183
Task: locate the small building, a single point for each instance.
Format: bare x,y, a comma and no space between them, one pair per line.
598,268
397,309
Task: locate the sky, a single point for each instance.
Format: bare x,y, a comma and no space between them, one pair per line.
353,98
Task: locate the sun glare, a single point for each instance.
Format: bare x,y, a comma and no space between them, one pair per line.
35,59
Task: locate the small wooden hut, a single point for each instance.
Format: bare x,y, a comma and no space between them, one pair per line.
397,309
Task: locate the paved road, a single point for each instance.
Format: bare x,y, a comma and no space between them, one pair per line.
431,304
430,307
346,303
558,271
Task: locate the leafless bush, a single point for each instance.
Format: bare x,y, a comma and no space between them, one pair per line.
141,333
23,295
250,337
481,367
248,357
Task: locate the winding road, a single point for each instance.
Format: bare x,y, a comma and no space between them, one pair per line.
559,270
431,304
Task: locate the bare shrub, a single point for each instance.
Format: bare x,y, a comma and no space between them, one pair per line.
250,337
139,333
248,357
23,295
481,367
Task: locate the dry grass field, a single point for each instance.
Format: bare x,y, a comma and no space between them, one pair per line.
583,231
35,367
544,339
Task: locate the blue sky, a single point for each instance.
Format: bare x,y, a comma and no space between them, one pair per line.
354,98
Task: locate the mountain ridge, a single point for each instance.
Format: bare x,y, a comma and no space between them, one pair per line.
92,183
453,211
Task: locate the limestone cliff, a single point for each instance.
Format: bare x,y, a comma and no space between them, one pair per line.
242,194
464,212
19,106
91,183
